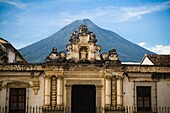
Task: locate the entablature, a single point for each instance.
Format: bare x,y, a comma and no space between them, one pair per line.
21,67
146,69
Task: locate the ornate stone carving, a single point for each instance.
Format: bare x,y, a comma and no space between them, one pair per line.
109,77
36,85
21,67
104,56
148,68
53,90
83,53
83,49
17,84
113,55
54,56
113,92
69,47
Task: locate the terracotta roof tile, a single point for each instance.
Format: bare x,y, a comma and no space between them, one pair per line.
159,59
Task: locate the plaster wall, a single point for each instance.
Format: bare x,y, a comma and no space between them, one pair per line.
37,100
127,92
2,97
163,93
130,88
146,61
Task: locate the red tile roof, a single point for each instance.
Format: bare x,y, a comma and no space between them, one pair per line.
156,59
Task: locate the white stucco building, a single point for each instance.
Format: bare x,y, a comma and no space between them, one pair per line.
82,81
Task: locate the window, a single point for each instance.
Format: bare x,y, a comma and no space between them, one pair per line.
143,98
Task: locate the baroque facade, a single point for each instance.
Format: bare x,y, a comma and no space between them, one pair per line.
82,79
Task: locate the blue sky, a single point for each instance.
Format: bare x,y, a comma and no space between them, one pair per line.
144,22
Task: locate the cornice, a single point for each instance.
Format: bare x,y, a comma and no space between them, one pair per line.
146,69
21,67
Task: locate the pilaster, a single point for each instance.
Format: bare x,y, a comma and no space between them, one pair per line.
119,91
98,95
59,91
108,90
47,91
68,96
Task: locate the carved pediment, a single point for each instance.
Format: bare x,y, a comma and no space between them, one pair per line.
83,48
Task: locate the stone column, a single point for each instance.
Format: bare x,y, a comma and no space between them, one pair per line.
59,91
47,91
108,90
119,91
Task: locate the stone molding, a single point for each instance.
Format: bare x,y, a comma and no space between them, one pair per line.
41,67
21,67
98,87
108,77
53,91
146,69
17,84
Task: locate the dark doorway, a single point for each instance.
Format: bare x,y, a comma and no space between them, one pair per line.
83,99
17,100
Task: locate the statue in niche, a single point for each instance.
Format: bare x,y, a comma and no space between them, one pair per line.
83,53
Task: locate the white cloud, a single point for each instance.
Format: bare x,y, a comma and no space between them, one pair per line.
41,21
117,13
160,49
142,44
138,12
15,3
113,14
